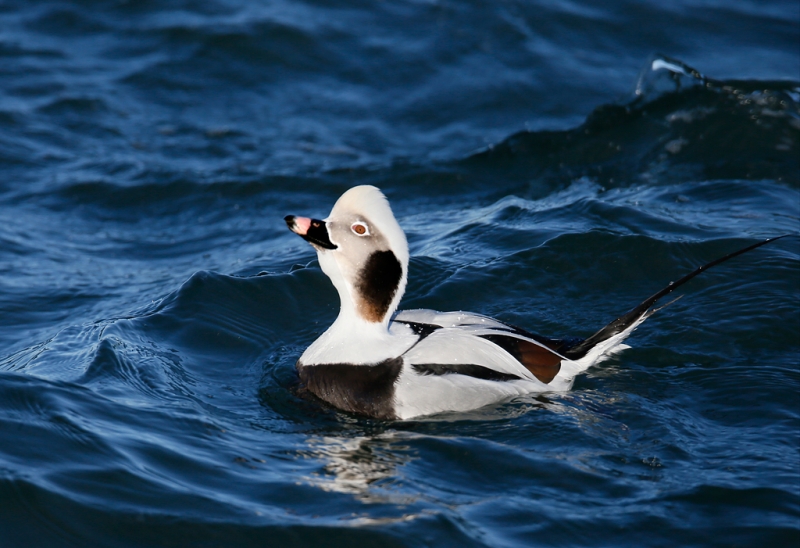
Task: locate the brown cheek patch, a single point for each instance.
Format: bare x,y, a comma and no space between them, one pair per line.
540,361
377,285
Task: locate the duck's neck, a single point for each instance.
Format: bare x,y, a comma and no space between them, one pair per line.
357,336
352,339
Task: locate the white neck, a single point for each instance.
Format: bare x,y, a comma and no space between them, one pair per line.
352,338
356,341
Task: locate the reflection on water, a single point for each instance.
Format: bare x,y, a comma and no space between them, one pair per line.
380,468
364,466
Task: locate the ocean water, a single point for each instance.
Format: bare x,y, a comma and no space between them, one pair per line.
553,164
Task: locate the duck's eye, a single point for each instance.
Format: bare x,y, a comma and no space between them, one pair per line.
360,229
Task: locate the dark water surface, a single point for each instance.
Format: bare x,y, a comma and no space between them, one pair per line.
550,168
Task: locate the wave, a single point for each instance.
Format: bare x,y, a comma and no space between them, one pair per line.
679,125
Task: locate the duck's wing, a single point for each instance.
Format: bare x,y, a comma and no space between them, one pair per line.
478,346
447,319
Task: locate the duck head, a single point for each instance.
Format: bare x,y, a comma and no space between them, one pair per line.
363,250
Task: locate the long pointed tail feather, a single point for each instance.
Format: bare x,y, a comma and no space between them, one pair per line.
644,310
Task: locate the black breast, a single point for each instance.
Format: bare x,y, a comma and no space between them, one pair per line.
362,389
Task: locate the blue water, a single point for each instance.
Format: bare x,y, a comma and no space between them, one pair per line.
547,172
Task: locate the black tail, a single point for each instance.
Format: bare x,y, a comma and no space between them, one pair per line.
643,310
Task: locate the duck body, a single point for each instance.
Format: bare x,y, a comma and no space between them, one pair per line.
377,362
433,362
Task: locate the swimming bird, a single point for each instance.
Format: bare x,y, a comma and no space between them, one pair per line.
384,364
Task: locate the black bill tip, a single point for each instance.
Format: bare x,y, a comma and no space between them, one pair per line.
313,231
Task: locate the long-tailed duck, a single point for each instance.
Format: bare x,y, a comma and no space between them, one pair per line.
374,362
